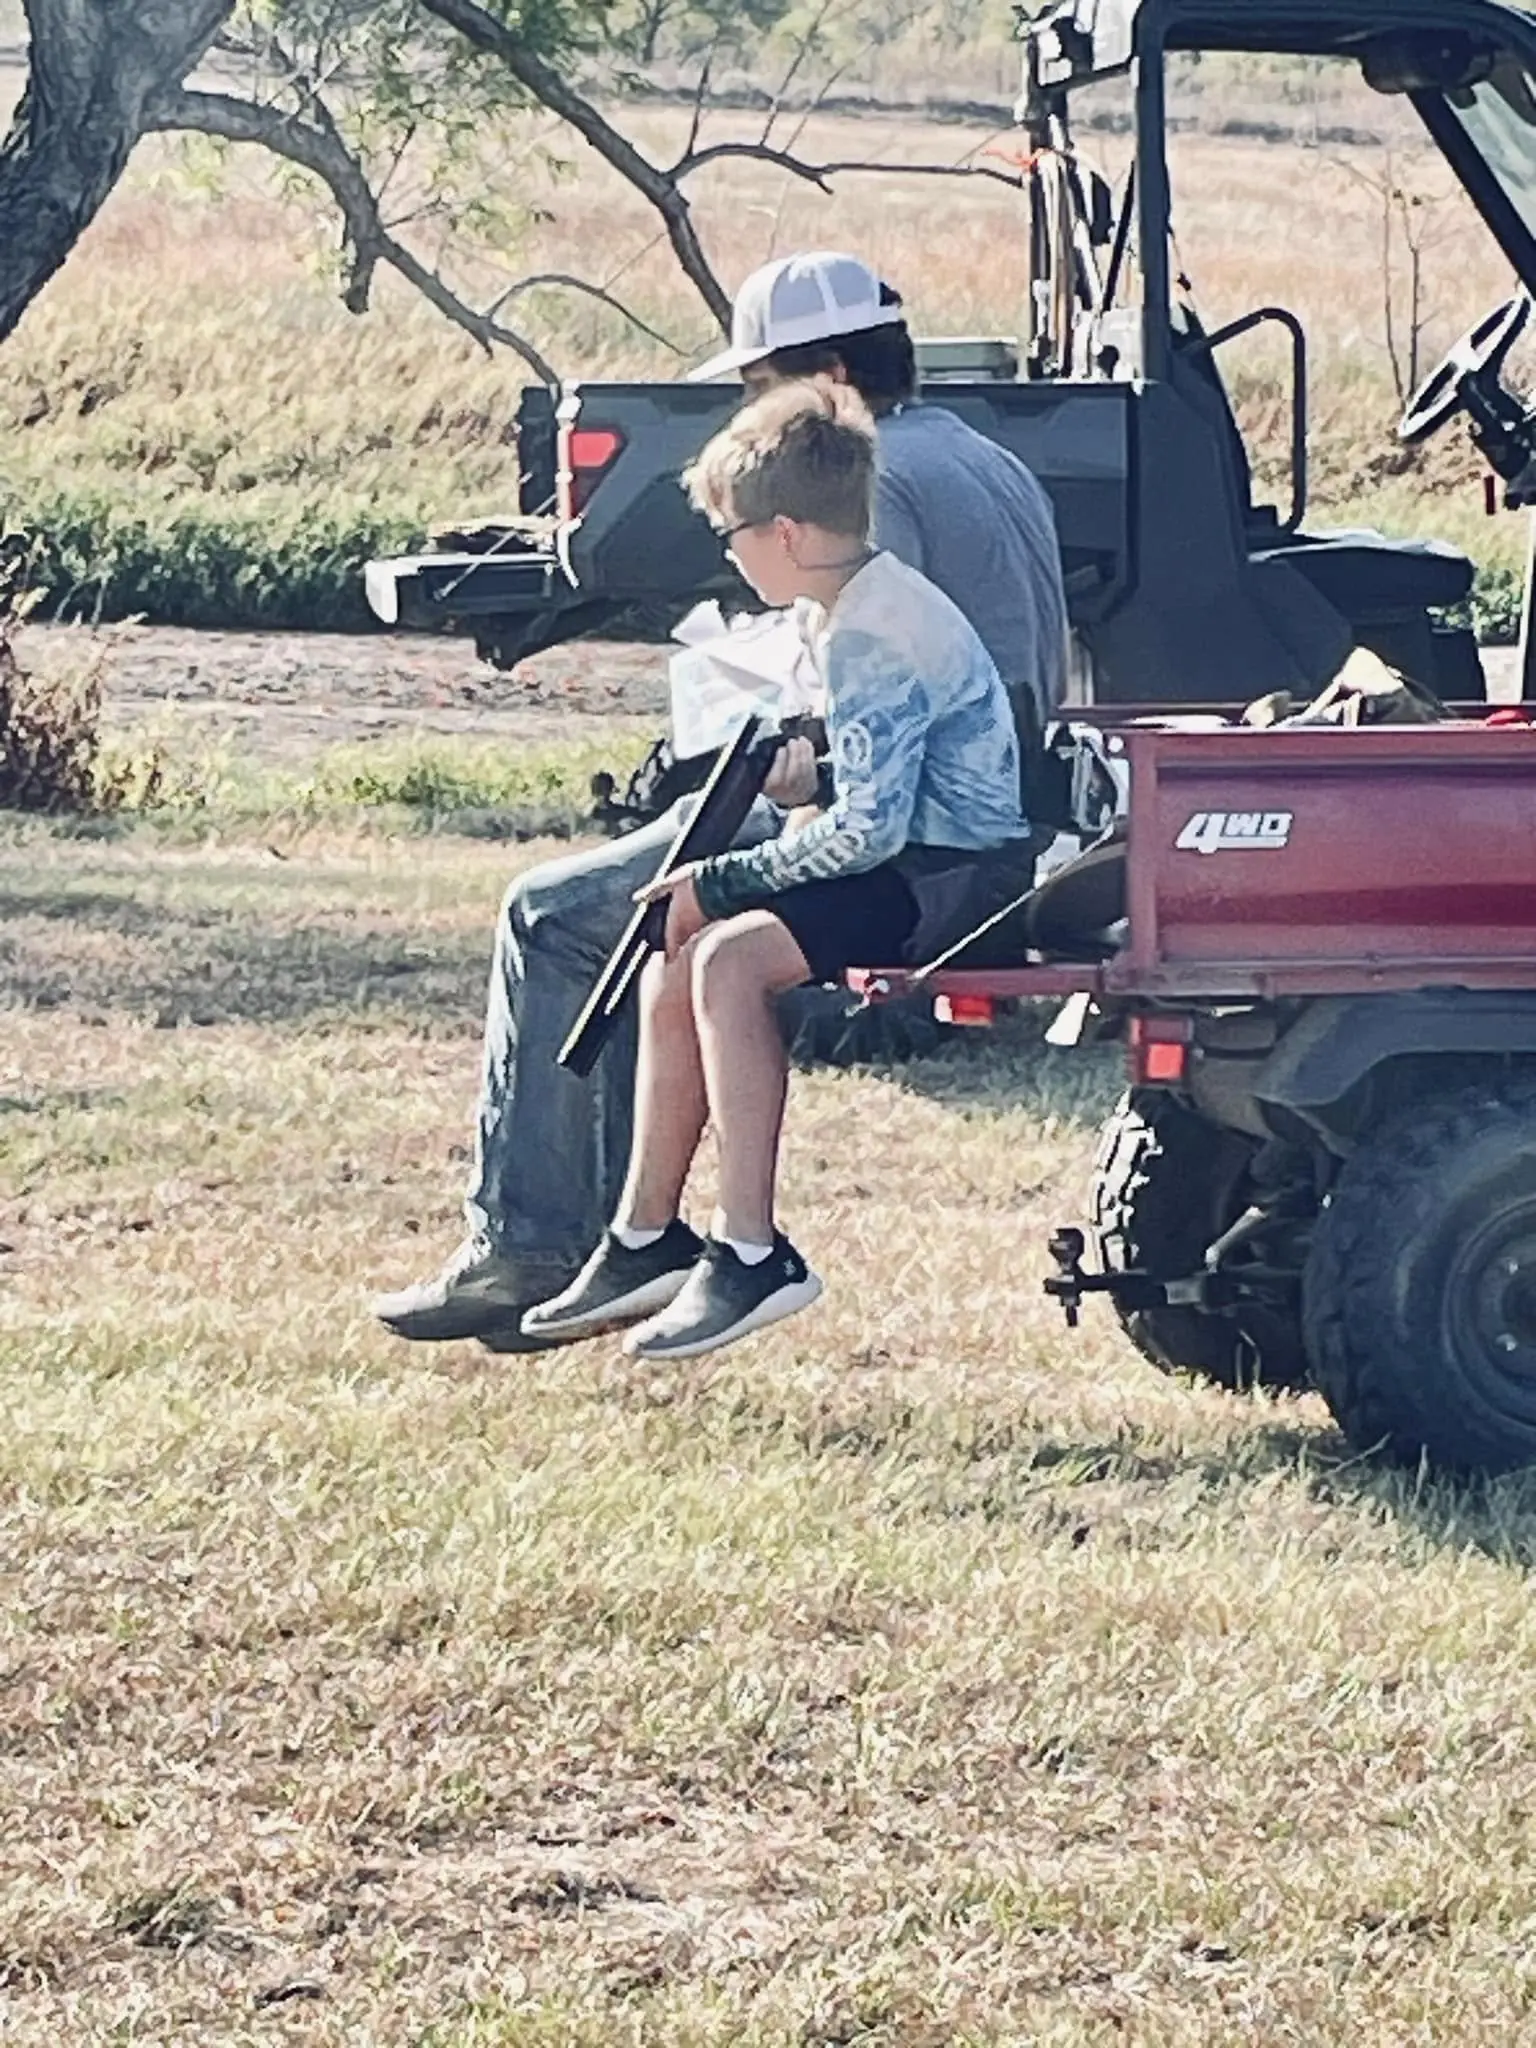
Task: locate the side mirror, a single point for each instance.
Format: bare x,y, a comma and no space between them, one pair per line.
1426,60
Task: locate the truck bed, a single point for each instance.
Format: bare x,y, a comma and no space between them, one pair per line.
1308,861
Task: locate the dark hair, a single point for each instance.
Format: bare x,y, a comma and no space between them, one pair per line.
879,361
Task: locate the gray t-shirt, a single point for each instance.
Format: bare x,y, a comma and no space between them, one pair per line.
976,522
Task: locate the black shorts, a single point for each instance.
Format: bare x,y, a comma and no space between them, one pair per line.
859,920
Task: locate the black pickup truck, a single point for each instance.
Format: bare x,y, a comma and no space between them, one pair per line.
1182,588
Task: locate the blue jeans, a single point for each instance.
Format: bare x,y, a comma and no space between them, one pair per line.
552,1150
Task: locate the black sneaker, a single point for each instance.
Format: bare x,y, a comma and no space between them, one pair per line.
618,1285
479,1293
724,1298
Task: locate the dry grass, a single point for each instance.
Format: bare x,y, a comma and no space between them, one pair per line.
193,358
913,1675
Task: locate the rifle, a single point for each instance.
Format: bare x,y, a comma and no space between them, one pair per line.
735,783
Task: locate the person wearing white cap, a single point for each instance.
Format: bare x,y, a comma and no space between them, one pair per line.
800,300
552,1149
948,501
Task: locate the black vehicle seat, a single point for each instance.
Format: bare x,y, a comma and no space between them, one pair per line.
1387,590
1193,373
1067,916
1365,574
1073,912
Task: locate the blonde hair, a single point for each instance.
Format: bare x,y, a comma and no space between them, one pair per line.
801,451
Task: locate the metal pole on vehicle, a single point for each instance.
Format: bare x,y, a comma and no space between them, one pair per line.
1528,617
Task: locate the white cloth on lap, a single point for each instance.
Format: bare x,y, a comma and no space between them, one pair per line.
725,672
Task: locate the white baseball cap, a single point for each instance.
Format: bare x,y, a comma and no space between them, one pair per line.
800,299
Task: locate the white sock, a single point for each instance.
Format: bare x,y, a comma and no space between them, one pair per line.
637,1240
744,1248
749,1254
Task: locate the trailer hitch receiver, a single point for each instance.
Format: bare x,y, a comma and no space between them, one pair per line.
1130,1290
1069,1283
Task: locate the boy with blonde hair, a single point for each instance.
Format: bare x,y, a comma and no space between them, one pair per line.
925,780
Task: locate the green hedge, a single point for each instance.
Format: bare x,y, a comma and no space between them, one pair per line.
271,557
284,555
1497,596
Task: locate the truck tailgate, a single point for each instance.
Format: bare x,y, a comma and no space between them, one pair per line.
1309,861
523,574
1314,859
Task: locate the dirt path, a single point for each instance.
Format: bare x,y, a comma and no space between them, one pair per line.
282,696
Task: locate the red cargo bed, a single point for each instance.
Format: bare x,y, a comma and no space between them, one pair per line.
1310,861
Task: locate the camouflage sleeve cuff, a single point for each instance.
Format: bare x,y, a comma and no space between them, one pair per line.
729,883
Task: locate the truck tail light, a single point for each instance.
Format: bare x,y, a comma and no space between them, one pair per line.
977,1011
585,454
1157,1048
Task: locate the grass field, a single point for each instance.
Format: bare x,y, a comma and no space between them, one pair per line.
913,1675
193,427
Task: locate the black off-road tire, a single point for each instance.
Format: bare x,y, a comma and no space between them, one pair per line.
1166,1185
1419,1297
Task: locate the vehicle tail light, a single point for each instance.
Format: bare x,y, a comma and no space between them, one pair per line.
1157,1047
977,1011
585,453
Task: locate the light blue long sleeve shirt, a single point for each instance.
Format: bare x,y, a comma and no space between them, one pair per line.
923,745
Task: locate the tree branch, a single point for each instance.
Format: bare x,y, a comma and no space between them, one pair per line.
822,174
321,151
758,152
566,282
66,43
803,50
701,93
856,56
90,72
660,187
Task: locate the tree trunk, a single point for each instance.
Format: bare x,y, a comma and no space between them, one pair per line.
95,65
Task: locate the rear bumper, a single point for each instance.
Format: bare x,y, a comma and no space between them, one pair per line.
433,590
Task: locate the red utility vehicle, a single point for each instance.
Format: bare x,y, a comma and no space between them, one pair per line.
1320,948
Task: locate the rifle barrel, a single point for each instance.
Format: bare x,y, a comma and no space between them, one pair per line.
734,785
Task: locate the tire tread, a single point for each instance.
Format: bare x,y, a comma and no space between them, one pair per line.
1146,1147
1380,1392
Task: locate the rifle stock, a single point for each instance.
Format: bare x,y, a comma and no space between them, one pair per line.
735,783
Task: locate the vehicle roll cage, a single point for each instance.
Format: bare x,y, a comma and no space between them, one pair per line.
1419,49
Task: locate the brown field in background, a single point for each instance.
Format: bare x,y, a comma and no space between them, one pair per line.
195,343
